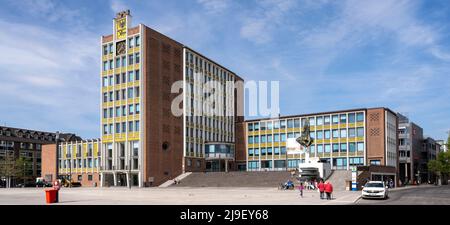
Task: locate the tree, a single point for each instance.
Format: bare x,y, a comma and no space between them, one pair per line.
11,167
441,166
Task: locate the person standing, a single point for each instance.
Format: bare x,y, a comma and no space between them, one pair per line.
321,187
300,188
328,189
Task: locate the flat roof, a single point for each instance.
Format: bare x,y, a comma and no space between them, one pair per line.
319,113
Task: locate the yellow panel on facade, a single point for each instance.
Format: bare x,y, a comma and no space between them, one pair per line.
319,127
130,67
318,141
136,49
290,130
351,125
276,131
326,155
336,126
360,139
136,66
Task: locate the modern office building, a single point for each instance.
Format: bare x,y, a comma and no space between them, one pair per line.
410,149
345,139
25,143
141,135
431,149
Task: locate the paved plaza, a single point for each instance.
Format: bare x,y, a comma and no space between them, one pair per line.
174,196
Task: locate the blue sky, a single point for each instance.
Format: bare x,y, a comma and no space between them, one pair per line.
332,54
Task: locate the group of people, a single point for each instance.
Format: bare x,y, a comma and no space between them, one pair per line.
324,188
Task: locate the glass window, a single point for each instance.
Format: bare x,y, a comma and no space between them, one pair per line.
256,126
130,109
263,151
130,93
327,134
296,123
130,59
282,124
343,133
263,138
263,125
138,108
250,139
130,76
283,150
319,134
351,118
256,152
137,75
335,147
118,113
312,135
343,147
290,123
117,128
335,119
360,117
312,121
130,126
319,120
136,126
352,147
117,62
269,138
351,132
335,133
276,150
250,152
276,137
130,42
250,127
105,82
137,57
319,148
124,61
276,124
269,125
343,118
256,139
327,148
326,120
360,146
138,41
105,50
283,137
360,132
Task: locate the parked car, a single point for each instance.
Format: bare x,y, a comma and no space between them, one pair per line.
375,189
26,184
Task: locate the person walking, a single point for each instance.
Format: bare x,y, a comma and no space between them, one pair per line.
321,187
300,188
328,189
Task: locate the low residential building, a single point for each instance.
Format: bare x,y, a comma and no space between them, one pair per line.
18,142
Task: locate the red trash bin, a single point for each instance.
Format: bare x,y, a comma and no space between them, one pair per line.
50,195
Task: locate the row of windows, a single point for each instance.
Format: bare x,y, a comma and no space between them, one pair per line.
121,111
326,134
326,148
133,41
313,121
79,163
197,76
207,66
133,126
338,163
121,79
123,94
121,61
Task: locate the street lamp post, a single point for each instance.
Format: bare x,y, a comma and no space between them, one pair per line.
57,155
129,170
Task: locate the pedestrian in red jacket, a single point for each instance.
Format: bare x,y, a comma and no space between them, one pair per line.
328,189
321,187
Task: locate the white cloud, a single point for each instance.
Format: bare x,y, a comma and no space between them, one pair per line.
214,6
118,6
50,78
259,25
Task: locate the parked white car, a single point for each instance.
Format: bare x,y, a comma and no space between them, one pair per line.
375,189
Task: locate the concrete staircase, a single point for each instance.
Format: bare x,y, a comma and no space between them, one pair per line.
338,178
179,178
235,179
